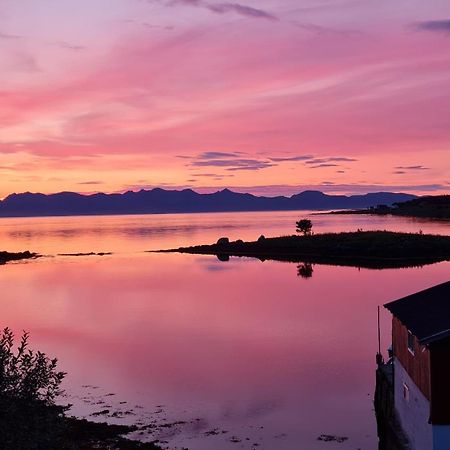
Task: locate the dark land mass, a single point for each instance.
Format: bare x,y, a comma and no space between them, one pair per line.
158,201
433,207
36,426
7,257
370,249
86,254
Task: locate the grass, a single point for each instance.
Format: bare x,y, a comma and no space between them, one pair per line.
375,249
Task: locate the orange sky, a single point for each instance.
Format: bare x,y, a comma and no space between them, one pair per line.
263,96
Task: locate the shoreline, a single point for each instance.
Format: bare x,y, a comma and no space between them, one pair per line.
370,249
430,207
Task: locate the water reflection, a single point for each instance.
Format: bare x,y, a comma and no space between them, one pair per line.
151,232
305,270
238,346
239,349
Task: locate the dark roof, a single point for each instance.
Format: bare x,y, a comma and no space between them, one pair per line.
426,313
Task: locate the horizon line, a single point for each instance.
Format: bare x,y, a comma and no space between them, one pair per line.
215,190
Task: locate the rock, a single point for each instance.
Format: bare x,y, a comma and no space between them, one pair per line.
262,238
332,438
223,241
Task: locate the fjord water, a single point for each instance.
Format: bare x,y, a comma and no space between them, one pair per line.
240,353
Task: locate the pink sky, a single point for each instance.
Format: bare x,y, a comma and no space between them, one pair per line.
258,95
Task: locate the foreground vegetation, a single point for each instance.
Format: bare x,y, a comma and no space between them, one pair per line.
432,207
29,417
372,249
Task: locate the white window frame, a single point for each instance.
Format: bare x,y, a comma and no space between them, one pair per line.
410,340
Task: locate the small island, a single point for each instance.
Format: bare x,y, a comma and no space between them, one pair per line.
7,256
370,249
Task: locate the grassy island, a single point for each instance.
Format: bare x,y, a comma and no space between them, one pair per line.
7,257
371,249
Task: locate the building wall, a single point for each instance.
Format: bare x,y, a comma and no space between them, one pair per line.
441,437
417,365
413,412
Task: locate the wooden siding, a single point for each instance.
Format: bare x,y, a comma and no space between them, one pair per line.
418,365
440,382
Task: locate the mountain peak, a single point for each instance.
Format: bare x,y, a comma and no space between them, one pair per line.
159,200
310,193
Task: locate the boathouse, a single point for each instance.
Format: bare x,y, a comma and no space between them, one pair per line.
421,366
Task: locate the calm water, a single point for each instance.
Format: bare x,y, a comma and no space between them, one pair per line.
246,350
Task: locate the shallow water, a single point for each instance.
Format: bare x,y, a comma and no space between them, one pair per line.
246,350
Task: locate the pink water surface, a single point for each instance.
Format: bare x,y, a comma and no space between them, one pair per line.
240,346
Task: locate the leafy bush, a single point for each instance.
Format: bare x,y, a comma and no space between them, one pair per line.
25,374
29,417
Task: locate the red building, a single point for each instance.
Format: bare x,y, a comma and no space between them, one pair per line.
421,366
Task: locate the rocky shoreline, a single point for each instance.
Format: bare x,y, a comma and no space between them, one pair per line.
7,256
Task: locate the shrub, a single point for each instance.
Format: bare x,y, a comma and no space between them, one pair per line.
25,374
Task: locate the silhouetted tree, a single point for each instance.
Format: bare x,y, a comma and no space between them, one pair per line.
304,226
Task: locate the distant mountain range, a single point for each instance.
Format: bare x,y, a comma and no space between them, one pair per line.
186,201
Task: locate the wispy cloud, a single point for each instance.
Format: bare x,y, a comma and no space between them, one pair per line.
231,161
148,25
332,161
315,161
318,29
158,27
69,46
291,158
437,26
215,155
229,7
243,10
236,161
402,170
324,165
418,167
234,164
89,183
8,36
212,175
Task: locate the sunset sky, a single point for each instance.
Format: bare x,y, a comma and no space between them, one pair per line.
264,96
